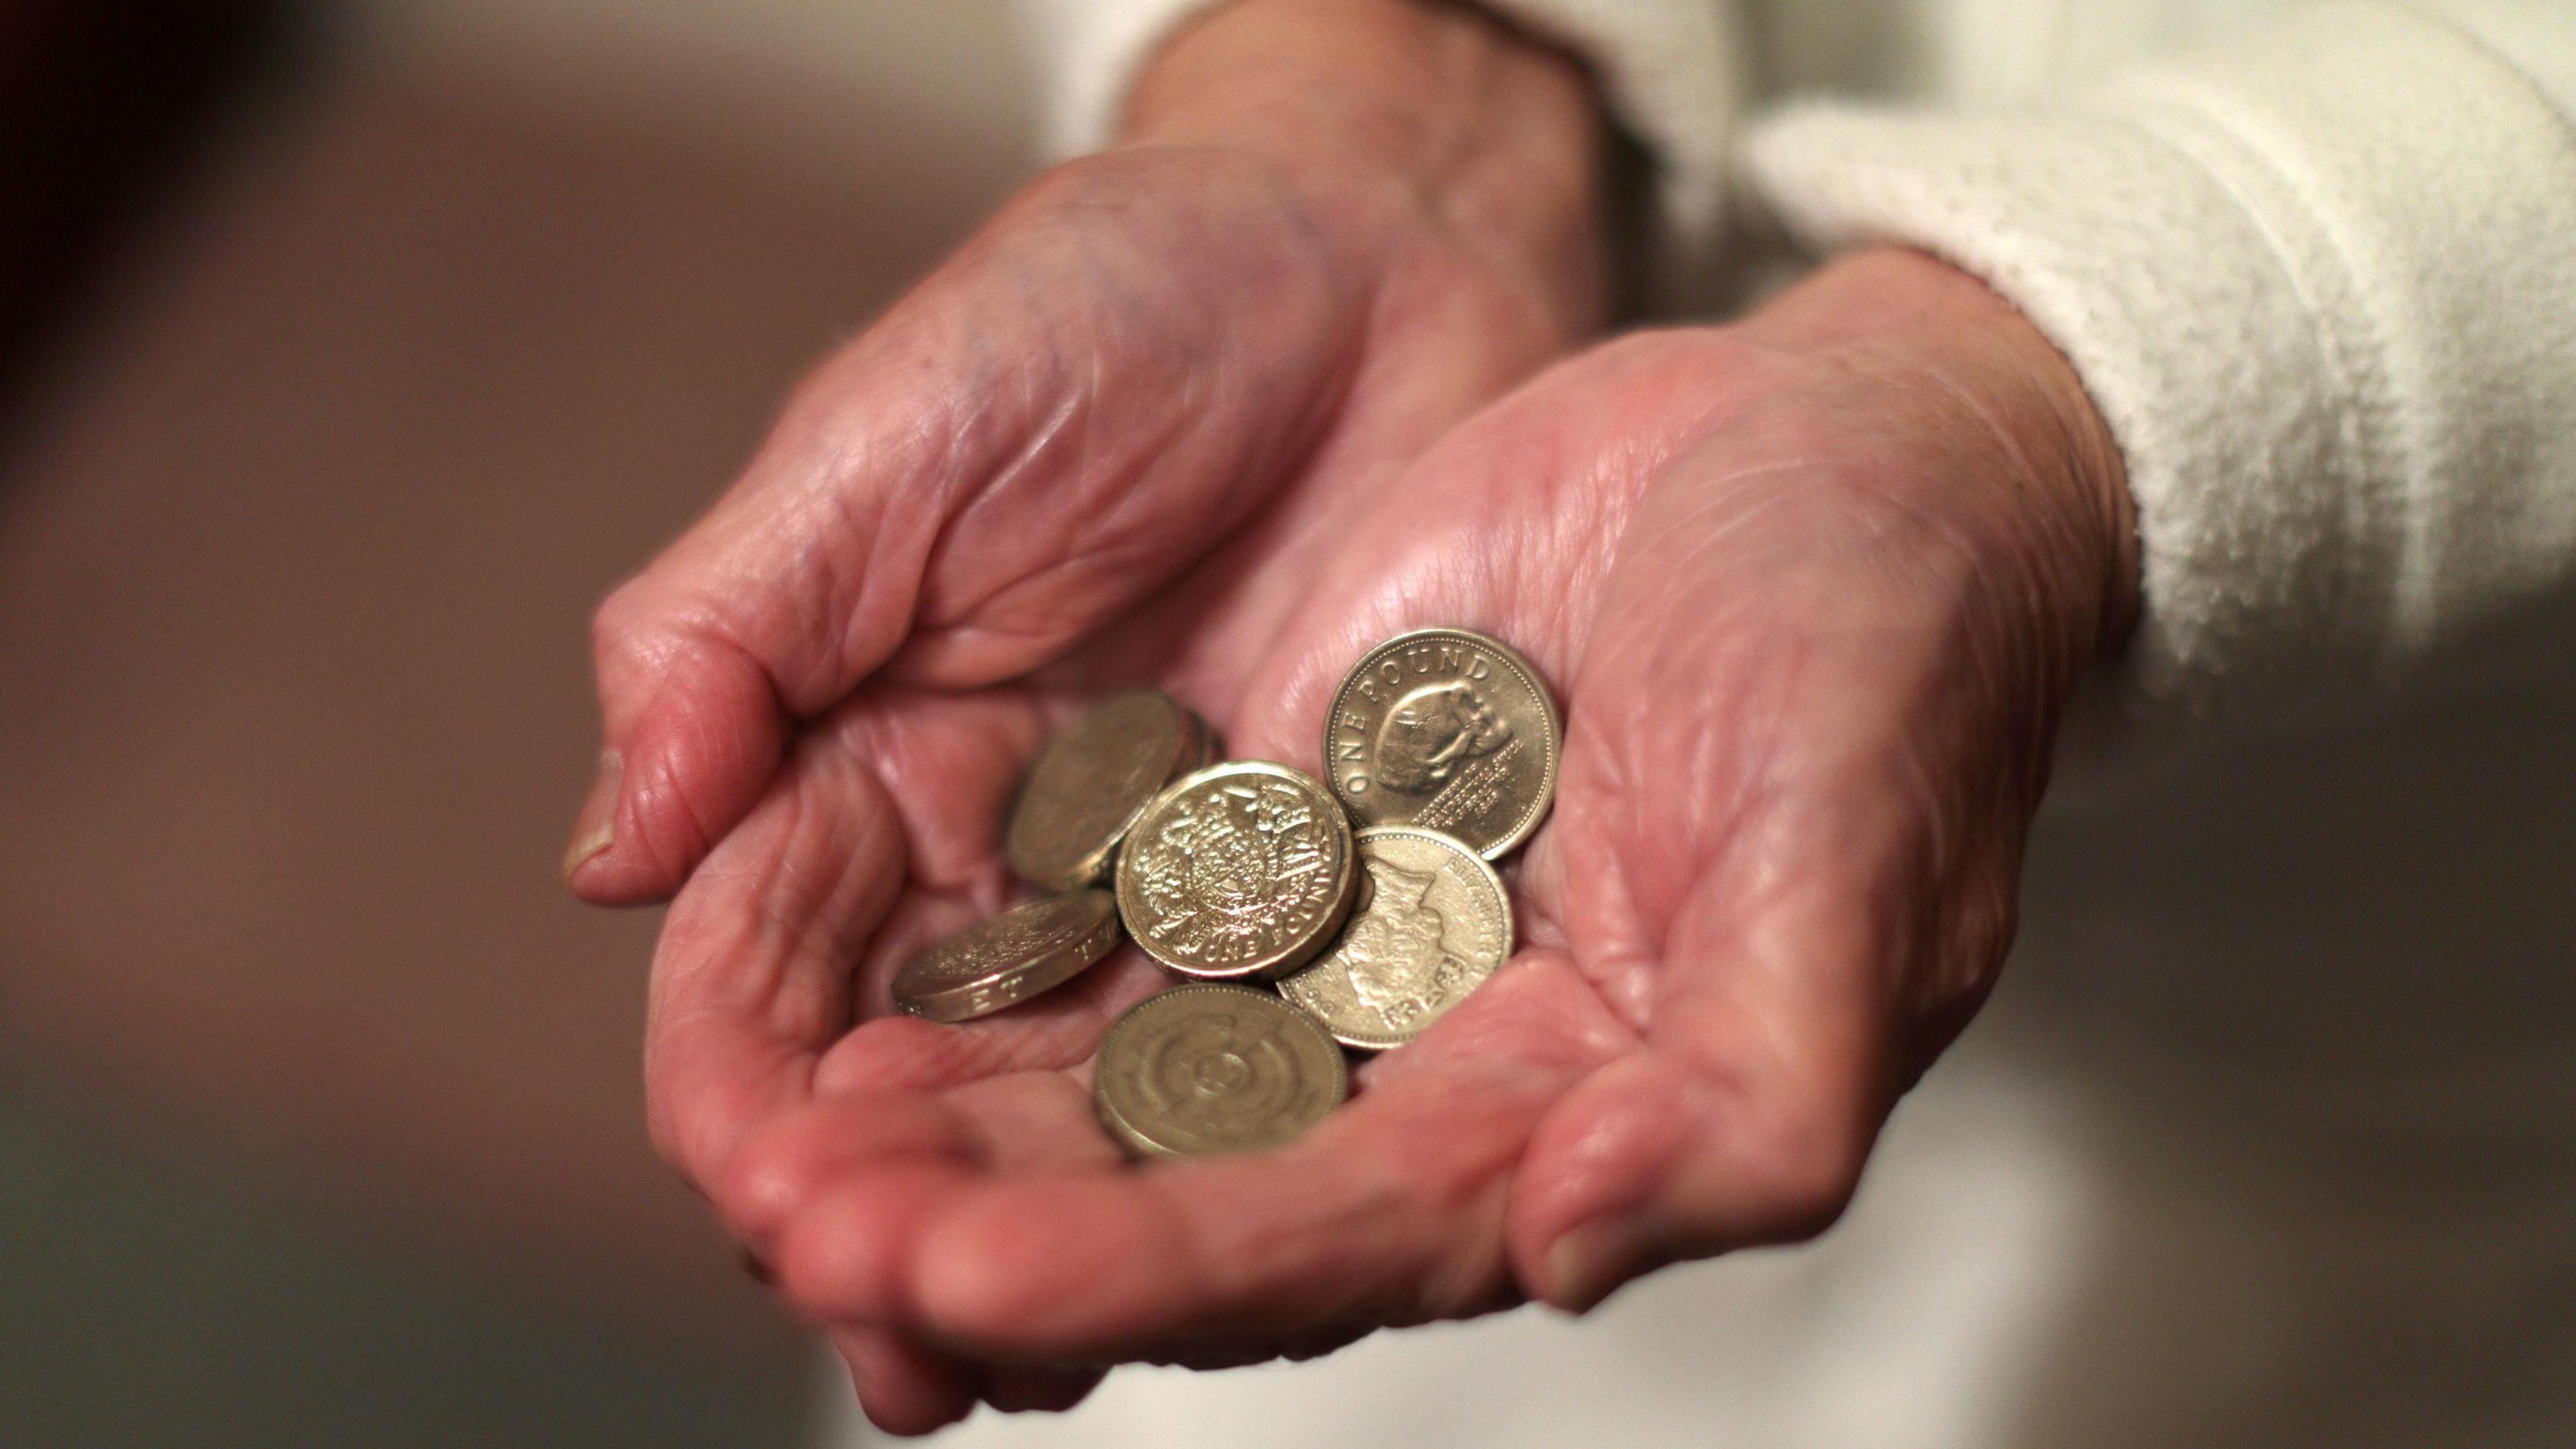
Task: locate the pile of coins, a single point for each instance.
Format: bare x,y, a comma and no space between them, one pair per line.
1368,901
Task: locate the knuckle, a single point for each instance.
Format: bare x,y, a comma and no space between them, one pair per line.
619,621
662,621
766,1181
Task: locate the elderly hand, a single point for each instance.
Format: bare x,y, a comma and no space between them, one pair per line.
1111,435
1813,589
1334,229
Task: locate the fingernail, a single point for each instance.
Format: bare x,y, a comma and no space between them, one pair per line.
595,829
1590,1262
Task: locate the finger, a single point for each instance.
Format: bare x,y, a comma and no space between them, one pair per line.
782,1166
1389,1211
905,1388
1361,1226
1081,403
794,926
751,975
1020,1121
1037,1123
839,1195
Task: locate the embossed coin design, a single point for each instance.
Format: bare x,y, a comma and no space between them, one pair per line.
1032,947
1215,1068
1093,780
1436,926
1446,729
1241,870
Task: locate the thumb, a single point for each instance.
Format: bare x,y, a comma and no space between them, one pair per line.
1096,389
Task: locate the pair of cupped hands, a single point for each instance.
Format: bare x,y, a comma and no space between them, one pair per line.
1307,358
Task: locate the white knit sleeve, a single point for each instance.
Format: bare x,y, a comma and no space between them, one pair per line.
1671,72
2322,286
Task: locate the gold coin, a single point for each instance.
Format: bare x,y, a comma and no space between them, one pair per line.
1032,947
1240,870
1215,1068
1092,781
1449,730
1437,924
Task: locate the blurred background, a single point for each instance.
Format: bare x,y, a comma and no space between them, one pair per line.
348,352
351,349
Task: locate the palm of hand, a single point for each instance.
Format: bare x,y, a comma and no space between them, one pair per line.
1778,874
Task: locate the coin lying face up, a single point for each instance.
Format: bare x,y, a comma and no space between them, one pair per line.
1093,780
1032,947
1435,925
1239,871
1215,1068
1446,729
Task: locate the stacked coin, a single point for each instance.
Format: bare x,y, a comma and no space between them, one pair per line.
1442,746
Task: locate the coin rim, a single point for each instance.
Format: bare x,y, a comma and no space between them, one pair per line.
1092,866
1135,1138
1511,937
1288,958
1014,981
1513,659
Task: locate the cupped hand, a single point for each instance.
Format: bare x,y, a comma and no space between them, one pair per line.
1812,589
1093,446
1327,237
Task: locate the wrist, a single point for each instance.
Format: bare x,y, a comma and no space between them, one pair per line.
2047,504
1389,116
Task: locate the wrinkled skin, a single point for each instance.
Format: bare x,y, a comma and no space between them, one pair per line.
1811,589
